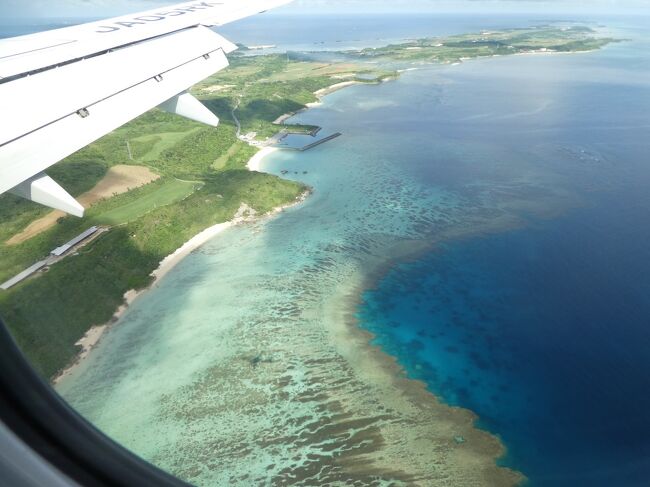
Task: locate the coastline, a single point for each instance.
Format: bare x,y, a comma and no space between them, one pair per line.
255,162
377,368
93,336
436,421
470,452
335,87
319,95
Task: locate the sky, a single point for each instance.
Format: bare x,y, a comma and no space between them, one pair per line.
104,8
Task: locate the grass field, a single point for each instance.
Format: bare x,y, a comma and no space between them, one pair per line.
148,148
305,69
171,191
266,87
223,159
117,180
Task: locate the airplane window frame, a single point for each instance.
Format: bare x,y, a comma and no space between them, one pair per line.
37,415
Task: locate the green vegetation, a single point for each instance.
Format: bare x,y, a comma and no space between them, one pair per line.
203,181
148,148
263,88
512,41
48,314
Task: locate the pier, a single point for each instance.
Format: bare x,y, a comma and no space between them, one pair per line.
280,145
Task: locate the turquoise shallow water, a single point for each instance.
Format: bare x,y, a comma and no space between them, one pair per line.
443,158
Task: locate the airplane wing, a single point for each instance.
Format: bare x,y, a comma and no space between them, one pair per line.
62,89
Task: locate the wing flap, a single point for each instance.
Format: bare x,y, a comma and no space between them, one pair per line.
187,106
44,190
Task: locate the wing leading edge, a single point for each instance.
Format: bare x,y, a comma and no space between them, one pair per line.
61,90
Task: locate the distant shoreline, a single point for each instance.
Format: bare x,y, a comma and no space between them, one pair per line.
319,94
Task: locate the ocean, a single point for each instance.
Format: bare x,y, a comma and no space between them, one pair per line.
493,217
541,329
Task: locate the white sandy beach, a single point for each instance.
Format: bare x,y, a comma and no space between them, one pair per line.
87,343
255,162
338,86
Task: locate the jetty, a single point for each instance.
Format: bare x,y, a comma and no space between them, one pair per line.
313,143
319,141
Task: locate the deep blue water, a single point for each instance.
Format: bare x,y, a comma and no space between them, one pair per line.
542,330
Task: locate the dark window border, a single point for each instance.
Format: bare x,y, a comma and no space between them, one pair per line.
44,421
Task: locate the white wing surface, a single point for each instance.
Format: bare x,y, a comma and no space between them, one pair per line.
60,90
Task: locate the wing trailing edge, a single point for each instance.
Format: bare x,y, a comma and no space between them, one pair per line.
63,89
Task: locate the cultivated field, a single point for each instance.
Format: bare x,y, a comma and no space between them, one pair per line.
119,179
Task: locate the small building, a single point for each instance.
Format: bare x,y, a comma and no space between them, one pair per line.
23,275
57,252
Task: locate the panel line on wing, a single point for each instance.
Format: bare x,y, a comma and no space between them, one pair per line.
86,108
87,56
